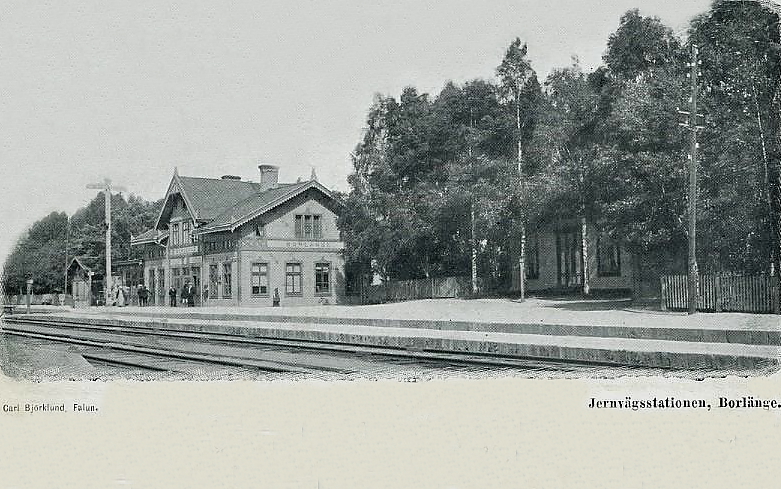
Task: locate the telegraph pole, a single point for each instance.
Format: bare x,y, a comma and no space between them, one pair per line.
106,188
67,232
691,125
473,205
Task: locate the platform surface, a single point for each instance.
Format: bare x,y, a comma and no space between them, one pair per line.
585,331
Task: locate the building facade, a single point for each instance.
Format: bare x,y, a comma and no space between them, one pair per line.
555,260
244,243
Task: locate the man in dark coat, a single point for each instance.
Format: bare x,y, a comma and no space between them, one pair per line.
187,294
190,294
143,295
172,296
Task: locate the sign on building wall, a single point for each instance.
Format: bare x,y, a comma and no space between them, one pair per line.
304,245
187,250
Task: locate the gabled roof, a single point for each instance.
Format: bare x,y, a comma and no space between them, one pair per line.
86,263
210,197
205,198
225,203
256,205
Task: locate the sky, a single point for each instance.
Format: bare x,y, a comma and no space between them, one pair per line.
95,89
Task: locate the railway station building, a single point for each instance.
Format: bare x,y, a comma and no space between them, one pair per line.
243,243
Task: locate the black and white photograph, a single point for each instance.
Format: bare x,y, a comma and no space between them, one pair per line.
467,203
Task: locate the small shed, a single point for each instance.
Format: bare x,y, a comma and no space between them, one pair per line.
85,283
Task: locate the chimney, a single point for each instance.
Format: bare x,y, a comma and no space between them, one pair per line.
269,177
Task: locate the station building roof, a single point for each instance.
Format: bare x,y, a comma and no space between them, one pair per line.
222,204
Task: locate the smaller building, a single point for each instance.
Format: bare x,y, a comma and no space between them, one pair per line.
85,284
555,260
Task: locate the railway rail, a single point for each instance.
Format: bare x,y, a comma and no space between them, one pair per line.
158,348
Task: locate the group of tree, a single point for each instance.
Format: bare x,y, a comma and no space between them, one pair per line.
443,181
447,184
41,253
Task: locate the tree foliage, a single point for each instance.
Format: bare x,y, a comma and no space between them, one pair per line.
605,145
40,254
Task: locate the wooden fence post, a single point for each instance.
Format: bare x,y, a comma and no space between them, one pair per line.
717,292
664,293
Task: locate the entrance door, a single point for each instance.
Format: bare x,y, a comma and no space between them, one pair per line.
80,291
568,259
213,278
161,291
195,279
152,288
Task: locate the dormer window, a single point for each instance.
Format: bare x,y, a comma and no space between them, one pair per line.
175,235
260,230
308,226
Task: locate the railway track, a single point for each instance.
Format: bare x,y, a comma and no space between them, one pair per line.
158,348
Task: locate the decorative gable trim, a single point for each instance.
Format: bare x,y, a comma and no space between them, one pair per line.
176,187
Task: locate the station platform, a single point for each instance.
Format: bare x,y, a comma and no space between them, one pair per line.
598,332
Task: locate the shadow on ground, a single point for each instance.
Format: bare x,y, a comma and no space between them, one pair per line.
596,304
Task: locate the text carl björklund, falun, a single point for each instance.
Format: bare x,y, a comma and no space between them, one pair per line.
673,403
45,407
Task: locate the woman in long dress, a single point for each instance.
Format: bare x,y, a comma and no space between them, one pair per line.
120,296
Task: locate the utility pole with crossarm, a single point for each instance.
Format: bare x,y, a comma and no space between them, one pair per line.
693,127
106,187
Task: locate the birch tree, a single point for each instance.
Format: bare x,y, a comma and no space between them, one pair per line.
517,79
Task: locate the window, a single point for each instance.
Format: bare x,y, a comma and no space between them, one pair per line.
317,229
533,257
175,235
308,227
213,281
221,245
161,285
299,226
608,258
293,279
152,282
196,276
226,280
186,237
177,282
259,278
322,278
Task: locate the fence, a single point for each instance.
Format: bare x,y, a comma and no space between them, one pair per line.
736,293
427,288
39,299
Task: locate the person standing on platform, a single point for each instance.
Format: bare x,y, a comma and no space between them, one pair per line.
142,295
190,294
172,295
120,297
185,292
205,294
